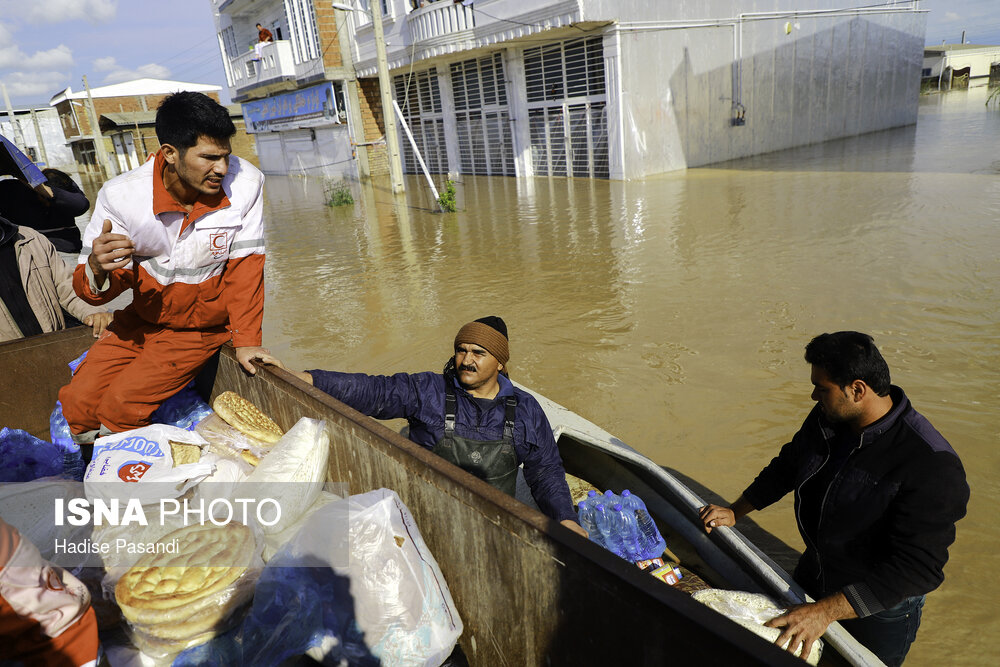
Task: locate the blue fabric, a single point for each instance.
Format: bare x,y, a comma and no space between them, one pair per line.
15,163
24,458
889,634
419,398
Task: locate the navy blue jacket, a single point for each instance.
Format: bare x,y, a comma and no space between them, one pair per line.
419,398
885,521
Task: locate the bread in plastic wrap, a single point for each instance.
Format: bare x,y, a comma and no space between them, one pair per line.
752,611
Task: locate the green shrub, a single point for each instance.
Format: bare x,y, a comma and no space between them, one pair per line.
339,195
447,198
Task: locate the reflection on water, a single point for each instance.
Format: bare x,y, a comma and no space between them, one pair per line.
673,311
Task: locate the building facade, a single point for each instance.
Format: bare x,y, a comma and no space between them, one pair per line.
95,153
133,136
941,61
298,92
626,88
37,130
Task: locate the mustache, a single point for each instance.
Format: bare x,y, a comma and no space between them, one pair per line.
466,367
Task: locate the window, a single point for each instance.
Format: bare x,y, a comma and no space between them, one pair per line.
926,71
419,98
229,42
485,141
567,114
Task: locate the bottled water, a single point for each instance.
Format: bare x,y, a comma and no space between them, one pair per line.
610,537
625,526
651,541
586,516
591,499
610,498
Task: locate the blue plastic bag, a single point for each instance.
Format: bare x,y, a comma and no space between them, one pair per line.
24,458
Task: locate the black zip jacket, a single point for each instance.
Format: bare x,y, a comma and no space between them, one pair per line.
878,529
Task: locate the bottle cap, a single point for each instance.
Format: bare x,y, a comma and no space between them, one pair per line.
582,505
599,507
626,493
609,493
591,493
618,507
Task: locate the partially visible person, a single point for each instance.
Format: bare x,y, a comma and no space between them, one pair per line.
50,208
36,287
45,613
264,36
184,233
877,494
471,415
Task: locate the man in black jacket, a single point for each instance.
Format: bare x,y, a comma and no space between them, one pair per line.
877,493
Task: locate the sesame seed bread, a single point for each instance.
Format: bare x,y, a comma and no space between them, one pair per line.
246,417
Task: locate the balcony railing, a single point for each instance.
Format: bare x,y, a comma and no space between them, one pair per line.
275,62
440,18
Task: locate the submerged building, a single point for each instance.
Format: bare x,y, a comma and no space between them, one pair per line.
589,88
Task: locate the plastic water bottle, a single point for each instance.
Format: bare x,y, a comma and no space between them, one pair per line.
586,517
610,498
652,542
627,530
605,527
591,499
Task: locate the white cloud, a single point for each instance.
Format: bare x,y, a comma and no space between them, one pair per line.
105,64
151,70
59,11
12,57
952,16
36,85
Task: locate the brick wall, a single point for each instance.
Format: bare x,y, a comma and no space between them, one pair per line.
373,123
329,37
103,105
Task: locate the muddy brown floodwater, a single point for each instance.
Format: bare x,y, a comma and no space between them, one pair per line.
673,311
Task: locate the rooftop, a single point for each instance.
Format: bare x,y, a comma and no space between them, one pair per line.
135,87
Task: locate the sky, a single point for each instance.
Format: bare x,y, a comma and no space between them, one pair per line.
47,45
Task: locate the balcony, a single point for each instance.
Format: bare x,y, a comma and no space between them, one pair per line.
276,64
444,27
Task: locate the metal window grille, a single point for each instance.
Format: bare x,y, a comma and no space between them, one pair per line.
229,41
420,102
485,140
567,114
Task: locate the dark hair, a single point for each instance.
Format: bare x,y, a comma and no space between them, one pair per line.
847,356
58,178
185,116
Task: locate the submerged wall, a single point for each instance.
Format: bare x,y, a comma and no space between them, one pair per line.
801,78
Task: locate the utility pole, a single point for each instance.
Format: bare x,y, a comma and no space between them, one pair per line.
15,126
391,134
38,136
95,130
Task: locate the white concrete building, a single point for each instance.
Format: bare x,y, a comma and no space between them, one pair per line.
977,57
293,88
625,88
41,133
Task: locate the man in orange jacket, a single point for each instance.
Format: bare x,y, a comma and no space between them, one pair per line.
184,233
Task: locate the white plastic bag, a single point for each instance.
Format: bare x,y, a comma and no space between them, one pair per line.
752,611
138,464
401,601
292,473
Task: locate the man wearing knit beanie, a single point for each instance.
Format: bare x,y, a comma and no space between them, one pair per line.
471,415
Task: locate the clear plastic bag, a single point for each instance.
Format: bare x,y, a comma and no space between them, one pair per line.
356,585
752,611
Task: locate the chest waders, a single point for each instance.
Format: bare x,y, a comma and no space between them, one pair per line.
493,461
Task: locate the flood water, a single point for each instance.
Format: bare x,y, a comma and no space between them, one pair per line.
673,312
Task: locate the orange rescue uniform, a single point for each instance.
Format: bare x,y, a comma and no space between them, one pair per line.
197,280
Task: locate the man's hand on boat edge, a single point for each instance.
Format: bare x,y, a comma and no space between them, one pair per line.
714,516
805,623
265,357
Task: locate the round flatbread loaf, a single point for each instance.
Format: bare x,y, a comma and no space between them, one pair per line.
171,588
246,417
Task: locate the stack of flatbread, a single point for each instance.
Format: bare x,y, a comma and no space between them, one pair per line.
177,600
240,427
